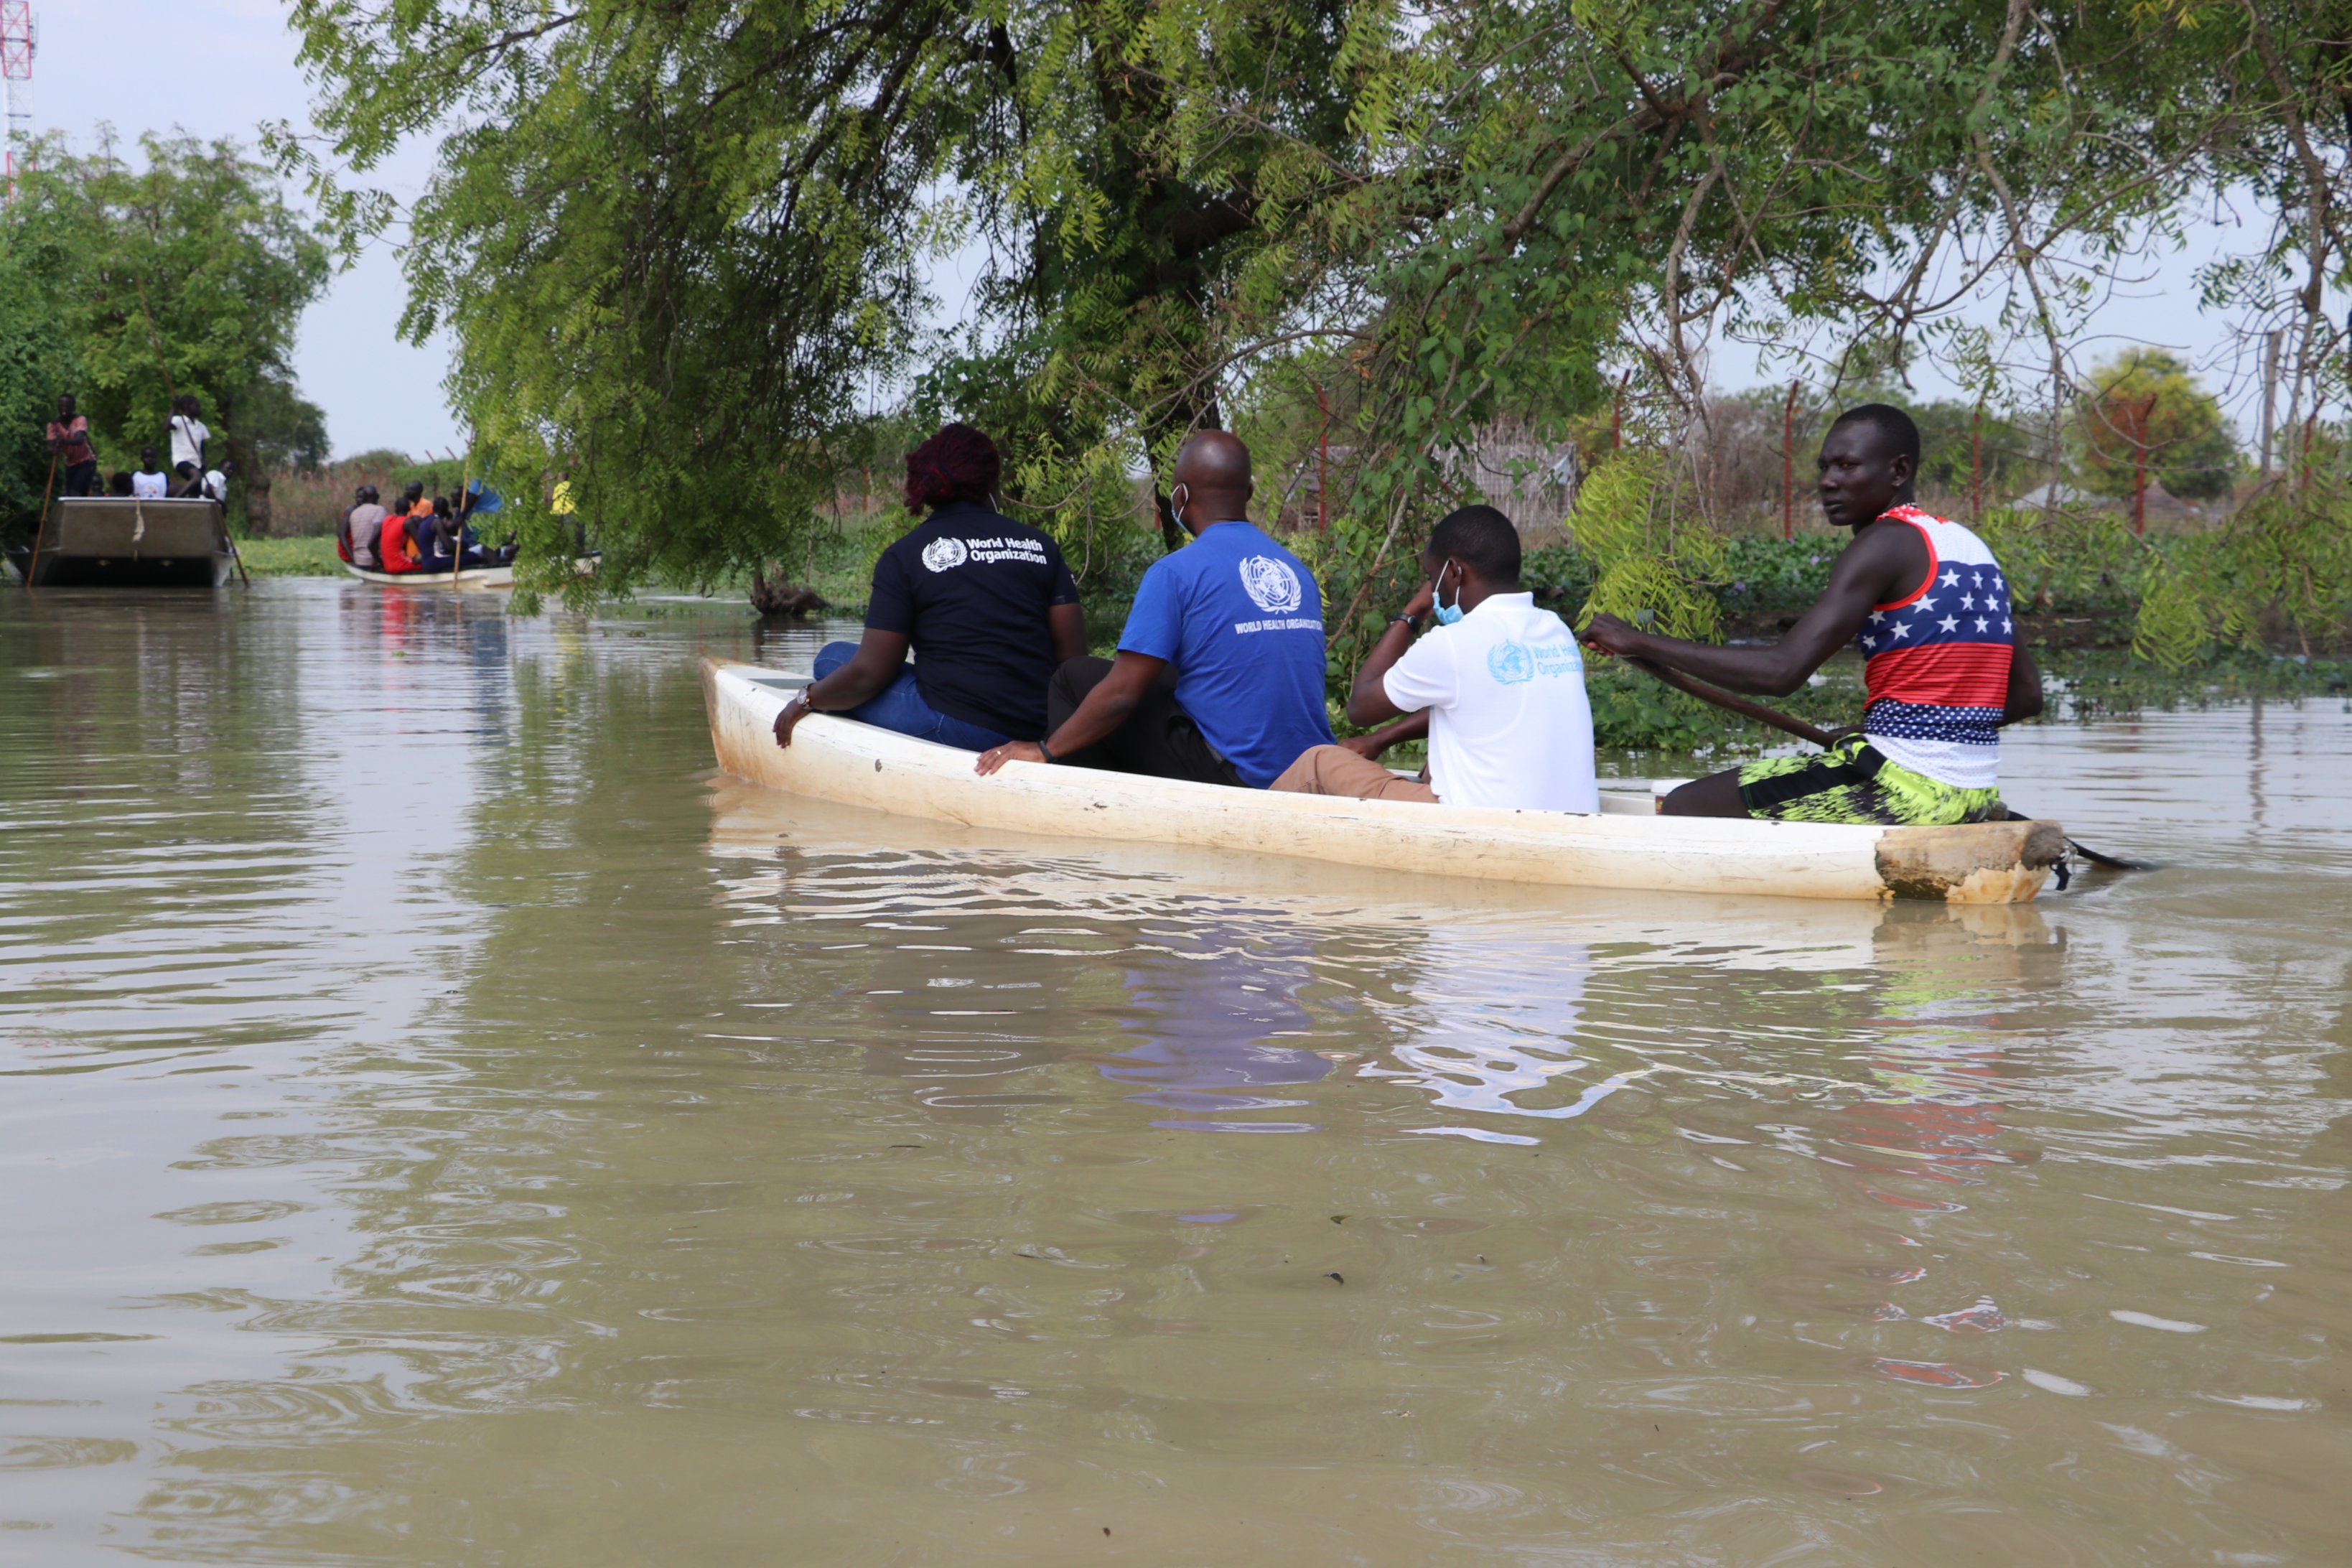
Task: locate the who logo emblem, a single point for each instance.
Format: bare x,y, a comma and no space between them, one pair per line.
1271,583
1510,663
945,553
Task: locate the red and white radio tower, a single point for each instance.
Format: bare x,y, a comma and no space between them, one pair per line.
17,41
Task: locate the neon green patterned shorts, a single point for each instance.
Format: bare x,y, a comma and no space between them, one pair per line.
1851,782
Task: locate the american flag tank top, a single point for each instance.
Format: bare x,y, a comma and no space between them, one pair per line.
1936,663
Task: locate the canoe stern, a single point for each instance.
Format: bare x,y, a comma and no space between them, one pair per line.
1981,863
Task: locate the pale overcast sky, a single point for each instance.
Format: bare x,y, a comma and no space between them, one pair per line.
221,67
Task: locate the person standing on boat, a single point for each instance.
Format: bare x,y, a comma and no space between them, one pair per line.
362,527
189,436
76,459
1219,671
151,482
988,605
1501,681
1928,606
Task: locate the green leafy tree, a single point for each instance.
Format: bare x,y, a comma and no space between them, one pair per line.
286,429
683,246
188,276
35,364
679,245
2147,400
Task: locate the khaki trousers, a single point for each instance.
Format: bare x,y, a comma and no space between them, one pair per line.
1335,770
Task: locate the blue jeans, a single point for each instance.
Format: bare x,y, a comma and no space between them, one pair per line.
901,707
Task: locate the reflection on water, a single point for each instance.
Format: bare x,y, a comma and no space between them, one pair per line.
444,1122
1499,1016
1208,1007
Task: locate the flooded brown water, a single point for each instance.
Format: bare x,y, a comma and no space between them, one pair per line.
446,1123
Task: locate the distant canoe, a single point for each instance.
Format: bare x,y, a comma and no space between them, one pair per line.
1626,844
117,542
472,577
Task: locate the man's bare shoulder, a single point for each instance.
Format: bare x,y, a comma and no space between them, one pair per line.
1885,554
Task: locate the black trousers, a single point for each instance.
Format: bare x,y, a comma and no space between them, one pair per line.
1159,738
82,479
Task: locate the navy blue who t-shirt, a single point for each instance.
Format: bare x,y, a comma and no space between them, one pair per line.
1242,620
971,588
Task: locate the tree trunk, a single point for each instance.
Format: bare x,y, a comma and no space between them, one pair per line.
252,480
781,598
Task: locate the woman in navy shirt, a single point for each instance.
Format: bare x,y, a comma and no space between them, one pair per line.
987,603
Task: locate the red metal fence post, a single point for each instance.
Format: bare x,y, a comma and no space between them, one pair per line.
2139,462
1788,464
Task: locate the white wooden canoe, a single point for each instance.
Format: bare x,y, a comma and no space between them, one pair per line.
471,579
467,581
1624,846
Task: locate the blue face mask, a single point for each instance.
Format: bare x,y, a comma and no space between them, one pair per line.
1448,613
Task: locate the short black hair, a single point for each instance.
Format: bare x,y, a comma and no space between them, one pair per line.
1480,538
1895,427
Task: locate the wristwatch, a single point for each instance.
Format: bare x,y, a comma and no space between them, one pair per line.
1412,623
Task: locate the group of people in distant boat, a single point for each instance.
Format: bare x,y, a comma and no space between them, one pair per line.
1219,671
192,474
417,533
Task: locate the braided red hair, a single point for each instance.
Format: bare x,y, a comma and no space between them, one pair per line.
957,464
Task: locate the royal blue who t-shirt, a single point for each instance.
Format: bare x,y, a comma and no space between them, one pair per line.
1242,621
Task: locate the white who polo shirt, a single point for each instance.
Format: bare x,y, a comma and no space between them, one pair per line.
1508,721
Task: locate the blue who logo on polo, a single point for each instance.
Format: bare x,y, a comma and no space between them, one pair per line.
1510,663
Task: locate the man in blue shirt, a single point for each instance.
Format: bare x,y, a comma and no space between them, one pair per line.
1219,671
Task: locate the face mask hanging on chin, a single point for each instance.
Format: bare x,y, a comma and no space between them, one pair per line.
1448,613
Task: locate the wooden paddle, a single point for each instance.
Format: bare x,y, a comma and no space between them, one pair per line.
1824,739
457,560
1722,698
41,530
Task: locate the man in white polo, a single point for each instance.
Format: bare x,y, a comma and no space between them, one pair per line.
1501,682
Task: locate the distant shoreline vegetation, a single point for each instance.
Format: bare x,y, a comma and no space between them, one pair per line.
2082,636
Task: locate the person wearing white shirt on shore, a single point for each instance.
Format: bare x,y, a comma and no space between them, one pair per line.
1501,683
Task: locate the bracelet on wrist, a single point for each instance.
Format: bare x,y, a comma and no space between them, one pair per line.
1046,752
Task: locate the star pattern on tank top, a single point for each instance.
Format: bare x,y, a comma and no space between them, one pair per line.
1917,622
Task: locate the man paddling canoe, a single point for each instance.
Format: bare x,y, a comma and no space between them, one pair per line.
1943,667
